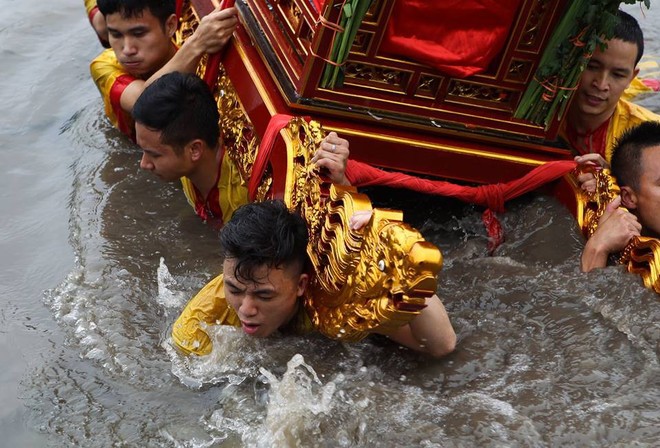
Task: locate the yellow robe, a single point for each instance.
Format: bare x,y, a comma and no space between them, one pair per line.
111,79
210,307
626,115
229,194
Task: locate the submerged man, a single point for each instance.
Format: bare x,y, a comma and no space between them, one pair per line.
140,34
177,128
636,167
598,115
262,288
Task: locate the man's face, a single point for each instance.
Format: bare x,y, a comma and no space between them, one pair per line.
647,205
140,43
159,158
269,302
607,75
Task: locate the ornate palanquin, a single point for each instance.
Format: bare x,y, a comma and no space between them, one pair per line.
642,254
396,113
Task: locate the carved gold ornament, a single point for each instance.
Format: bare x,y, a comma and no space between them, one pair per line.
642,254
375,279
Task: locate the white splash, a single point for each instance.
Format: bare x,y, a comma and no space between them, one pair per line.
168,296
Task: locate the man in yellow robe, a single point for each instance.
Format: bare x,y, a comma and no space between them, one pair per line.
140,34
264,280
177,129
598,115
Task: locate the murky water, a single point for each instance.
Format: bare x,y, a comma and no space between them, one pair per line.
546,356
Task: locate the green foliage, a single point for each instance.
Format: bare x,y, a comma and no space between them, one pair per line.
585,24
351,17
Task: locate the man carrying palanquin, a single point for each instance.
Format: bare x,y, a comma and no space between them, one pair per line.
598,115
636,167
140,34
177,129
264,282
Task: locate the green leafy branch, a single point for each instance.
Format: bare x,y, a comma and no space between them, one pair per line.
587,23
350,19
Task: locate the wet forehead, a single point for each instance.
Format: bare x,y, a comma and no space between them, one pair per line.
149,139
618,55
651,164
119,22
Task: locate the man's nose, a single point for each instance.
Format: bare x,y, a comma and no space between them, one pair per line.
145,164
129,48
600,81
248,307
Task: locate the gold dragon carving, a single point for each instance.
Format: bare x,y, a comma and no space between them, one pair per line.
375,279
642,254
238,135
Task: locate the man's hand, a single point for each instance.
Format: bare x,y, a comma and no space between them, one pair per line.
360,219
215,30
332,155
615,230
588,163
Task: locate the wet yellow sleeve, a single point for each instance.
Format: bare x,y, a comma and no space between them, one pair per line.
89,5
105,70
208,306
232,190
627,115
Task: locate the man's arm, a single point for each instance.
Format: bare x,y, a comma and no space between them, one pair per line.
430,332
615,229
212,34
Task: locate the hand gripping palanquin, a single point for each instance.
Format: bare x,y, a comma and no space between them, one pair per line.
642,254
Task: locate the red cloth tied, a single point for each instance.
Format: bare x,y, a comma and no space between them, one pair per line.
492,196
275,125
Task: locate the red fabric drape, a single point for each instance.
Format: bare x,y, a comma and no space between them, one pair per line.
492,196
459,38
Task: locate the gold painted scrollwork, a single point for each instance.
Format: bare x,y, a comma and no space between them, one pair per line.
643,257
595,203
375,279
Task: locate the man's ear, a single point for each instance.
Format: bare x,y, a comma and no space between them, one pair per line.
303,281
628,198
171,25
635,72
196,149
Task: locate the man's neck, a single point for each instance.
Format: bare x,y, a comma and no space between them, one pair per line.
585,124
205,176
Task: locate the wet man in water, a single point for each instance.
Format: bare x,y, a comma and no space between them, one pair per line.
598,115
177,128
262,288
140,33
636,167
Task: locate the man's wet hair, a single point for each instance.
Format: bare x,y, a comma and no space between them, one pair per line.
627,29
627,156
161,9
264,234
182,108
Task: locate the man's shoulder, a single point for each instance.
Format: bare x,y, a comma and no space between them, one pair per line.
106,66
635,112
